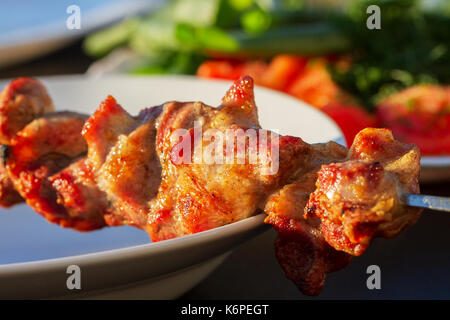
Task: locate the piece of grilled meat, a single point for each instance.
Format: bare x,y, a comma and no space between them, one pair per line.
134,160
340,201
42,148
150,171
361,198
22,101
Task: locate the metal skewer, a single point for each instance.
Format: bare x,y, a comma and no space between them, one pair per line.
429,202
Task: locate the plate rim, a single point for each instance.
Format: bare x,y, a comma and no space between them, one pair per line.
111,254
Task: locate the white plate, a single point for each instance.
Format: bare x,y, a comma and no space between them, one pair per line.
32,28
120,261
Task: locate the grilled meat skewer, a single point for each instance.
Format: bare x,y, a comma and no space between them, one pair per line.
110,169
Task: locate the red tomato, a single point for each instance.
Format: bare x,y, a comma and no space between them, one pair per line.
419,115
350,118
314,85
220,69
282,71
232,70
255,69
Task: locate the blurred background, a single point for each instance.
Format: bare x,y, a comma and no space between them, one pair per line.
328,53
